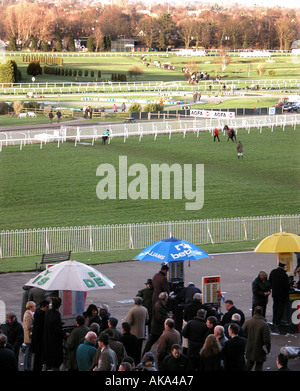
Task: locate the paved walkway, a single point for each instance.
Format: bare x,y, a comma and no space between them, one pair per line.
237,271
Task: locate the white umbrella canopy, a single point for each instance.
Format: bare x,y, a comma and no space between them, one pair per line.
71,275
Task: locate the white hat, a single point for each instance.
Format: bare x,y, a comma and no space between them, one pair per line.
104,307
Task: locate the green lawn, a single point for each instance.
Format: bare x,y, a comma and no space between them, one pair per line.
57,186
239,68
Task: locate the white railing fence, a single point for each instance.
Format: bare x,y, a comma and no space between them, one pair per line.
140,129
30,242
146,87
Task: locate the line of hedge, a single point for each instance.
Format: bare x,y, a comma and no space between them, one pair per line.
43,59
71,72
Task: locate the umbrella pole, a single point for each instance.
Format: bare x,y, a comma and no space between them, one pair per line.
176,273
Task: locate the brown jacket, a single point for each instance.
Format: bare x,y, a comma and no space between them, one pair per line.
28,326
168,338
160,284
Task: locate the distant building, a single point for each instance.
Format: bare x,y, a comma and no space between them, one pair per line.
127,45
296,44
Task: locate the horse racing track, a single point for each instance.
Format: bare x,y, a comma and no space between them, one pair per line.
56,185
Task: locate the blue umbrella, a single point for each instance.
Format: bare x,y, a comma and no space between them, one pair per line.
171,250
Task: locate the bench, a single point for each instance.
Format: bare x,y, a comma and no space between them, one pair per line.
130,119
53,257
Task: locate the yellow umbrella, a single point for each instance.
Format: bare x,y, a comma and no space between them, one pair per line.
281,242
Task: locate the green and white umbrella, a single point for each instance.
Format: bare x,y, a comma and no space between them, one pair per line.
71,275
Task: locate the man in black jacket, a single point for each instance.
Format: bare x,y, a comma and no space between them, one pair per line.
233,352
176,361
231,309
280,291
14,332
190,310
194,331
261,289
8,361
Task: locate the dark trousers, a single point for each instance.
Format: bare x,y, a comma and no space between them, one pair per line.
278,309
258,365
150,342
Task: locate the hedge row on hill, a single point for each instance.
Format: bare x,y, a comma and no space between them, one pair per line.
50,60
70,72
118,77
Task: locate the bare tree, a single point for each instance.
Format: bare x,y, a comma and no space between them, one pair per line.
98,39
187,30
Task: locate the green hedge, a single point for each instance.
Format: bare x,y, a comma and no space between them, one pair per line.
69,72
49,60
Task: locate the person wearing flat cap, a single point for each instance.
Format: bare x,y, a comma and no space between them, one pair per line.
261,289
280,286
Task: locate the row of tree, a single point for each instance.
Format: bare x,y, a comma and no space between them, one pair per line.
175,26
48,59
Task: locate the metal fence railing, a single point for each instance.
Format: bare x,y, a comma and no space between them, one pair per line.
30,242
147,87
140,129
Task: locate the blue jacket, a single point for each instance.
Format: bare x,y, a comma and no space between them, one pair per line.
85,354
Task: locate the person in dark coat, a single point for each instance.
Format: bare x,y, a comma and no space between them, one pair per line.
191,309
160,313
195,331
280,292
91,315
258,335
104,315
176,361
130,342
14,332
73,341
160,283
146,294
187,293
231,309
8,360
53,337
38,334
236,318
233,352
261,289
